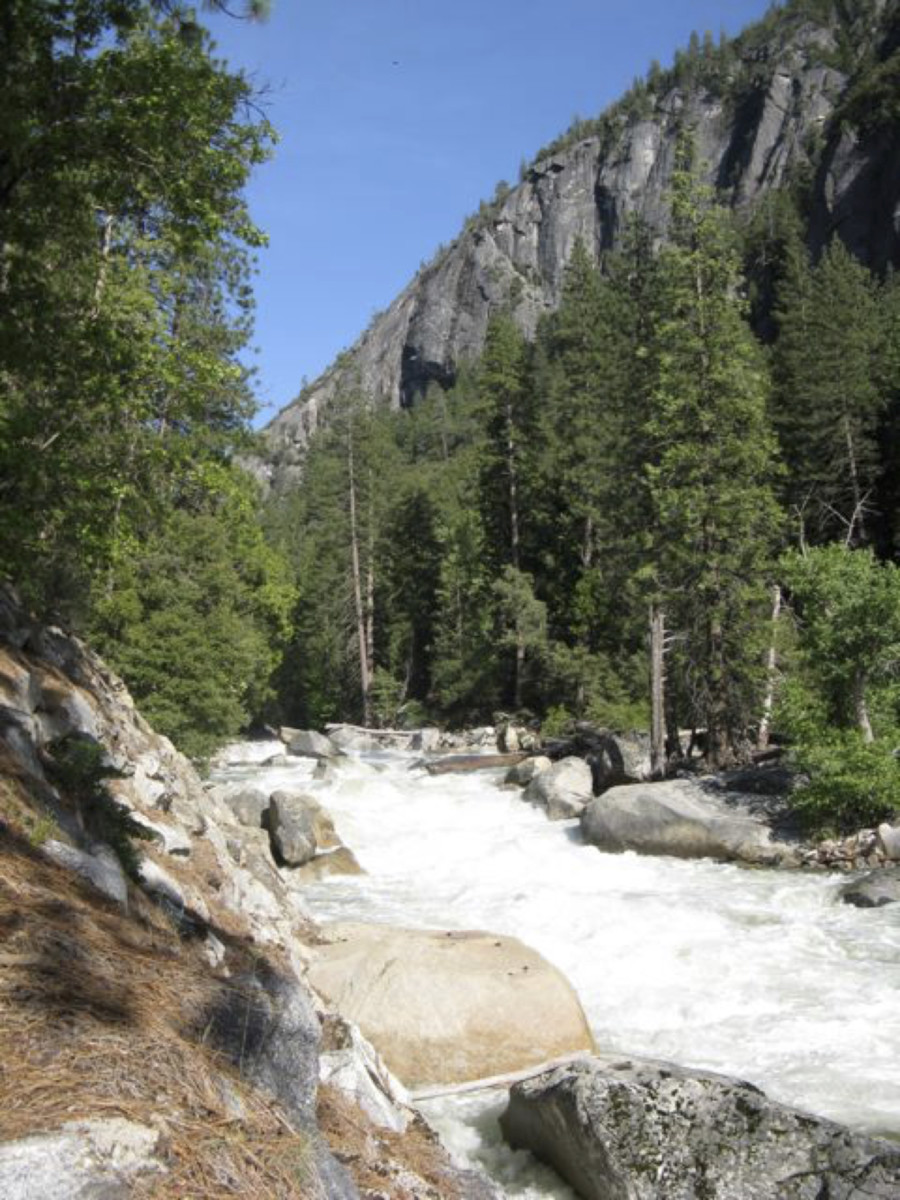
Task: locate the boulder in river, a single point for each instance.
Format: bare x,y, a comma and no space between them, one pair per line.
563,790
307,743
292,829
638,1129
341,861
874,890
447,1008
322,824
247,802
618,758
524,772
679,817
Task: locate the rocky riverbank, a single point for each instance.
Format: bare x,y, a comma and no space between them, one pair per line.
161,1036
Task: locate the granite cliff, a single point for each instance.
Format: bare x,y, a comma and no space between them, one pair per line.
779,105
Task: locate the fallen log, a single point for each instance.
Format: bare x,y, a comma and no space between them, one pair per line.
452,763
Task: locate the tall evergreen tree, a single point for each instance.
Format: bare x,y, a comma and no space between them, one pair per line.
828,405
715,513
507,405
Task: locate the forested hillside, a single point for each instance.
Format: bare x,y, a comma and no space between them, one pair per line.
681,488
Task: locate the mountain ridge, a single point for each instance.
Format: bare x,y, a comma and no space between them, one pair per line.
768,108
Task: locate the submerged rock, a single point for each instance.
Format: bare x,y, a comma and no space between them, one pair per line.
341,861
446,1008
874,890
638,1129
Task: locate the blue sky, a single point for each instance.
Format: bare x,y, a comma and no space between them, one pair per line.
396,117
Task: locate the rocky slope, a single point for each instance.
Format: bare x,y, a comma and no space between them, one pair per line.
160,1037
774,114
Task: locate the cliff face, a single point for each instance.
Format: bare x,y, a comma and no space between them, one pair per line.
516,250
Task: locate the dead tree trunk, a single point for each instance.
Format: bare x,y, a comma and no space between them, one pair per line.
657,692
765,725
365,680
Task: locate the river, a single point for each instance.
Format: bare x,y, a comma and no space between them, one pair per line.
760,974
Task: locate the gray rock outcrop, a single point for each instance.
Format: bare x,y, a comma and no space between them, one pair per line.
633,1129
84,1160
619,758
564,789
98,865
681,818
247,803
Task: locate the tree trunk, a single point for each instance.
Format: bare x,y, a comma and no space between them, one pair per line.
657,692
858,502
364,676
520,670
105,248
513,488
762,740
370,587
860,706
716,733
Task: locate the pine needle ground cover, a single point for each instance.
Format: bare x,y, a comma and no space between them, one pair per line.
103,1015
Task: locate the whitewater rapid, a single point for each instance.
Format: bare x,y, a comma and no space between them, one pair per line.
764,975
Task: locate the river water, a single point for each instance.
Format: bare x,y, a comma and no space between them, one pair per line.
764,975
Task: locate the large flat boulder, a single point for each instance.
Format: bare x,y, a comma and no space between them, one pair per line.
637,1129
563,789
681,818
446,1008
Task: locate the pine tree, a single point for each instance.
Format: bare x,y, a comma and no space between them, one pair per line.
507,407
827,405
713,454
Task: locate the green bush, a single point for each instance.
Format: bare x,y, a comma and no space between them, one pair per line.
80,769
850,784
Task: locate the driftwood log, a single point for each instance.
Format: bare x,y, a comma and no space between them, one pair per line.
452,763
